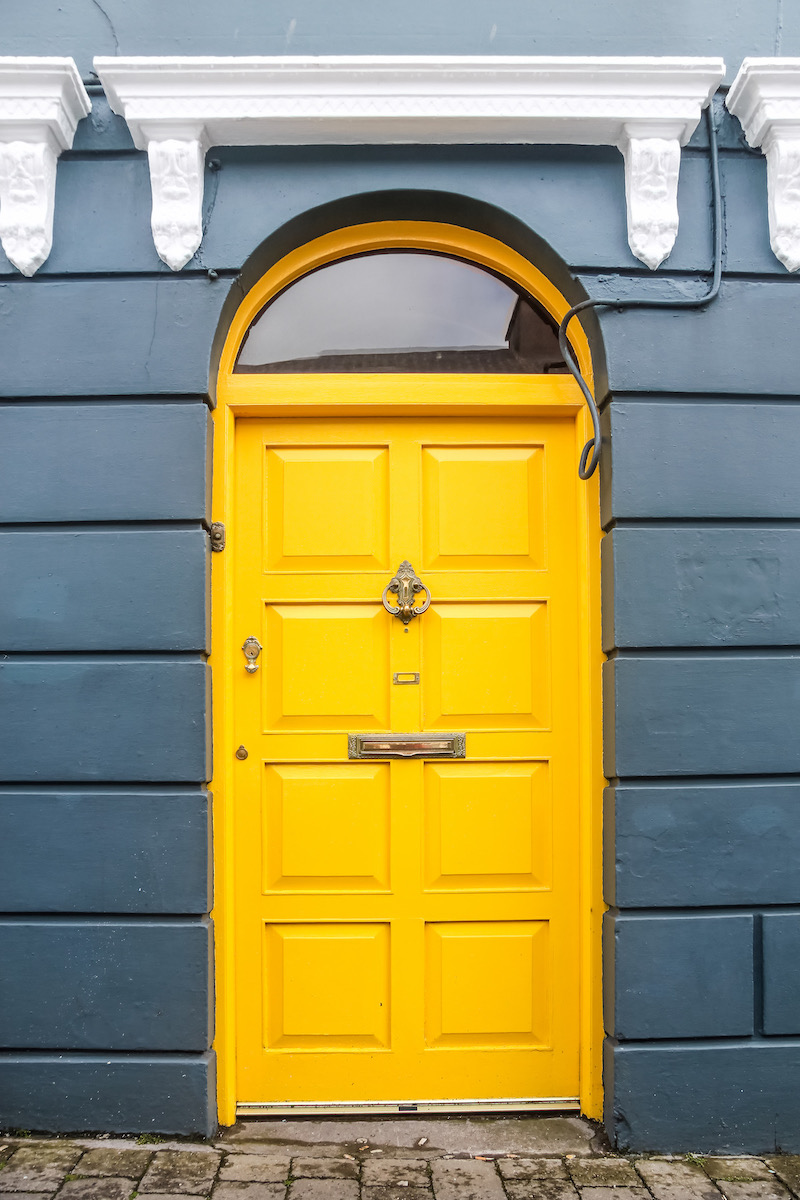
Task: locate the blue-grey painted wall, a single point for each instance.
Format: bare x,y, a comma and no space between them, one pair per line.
700,503
84,28
107,381
106,983
126,1092
105,833
87,849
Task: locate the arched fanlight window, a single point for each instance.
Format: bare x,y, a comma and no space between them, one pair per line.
397,311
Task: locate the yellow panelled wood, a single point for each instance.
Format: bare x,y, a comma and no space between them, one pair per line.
407,930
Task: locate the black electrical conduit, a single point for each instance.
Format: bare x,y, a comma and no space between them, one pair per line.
590,455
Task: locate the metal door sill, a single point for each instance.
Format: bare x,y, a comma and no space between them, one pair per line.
394,1108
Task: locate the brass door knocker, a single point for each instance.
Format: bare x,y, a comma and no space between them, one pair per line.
406,585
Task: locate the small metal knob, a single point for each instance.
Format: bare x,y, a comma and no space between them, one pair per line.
241,752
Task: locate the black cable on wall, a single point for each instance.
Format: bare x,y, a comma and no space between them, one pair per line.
590,455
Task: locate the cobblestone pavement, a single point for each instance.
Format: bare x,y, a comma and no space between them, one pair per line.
278,1161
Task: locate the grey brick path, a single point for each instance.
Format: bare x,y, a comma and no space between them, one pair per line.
356,1169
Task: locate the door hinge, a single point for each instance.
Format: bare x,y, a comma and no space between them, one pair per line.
217,536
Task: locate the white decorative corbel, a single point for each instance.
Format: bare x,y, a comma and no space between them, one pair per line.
783,197
175,107
765,96
41,102
27,201
651,193
176,180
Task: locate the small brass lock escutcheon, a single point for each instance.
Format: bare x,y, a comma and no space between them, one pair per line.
241,752
252,649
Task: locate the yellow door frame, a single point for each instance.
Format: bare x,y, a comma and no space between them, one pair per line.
350,394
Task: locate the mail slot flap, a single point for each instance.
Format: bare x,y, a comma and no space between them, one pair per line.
406,745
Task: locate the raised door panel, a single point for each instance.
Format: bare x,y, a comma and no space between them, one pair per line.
326,986
326,508
486,666
487,984
483,507
326,827
329,666
488,826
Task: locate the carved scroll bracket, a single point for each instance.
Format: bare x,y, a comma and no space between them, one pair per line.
27,200
783,197
41,102
765,96
652,165
176,179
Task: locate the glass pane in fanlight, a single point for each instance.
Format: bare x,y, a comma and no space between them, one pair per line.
400,311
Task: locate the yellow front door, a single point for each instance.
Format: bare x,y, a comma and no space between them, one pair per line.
407,930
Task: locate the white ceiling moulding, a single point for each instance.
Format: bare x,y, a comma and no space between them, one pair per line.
765,96
177,107
41,102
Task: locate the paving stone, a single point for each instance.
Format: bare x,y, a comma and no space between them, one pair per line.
184,1172
61,1154
324,1168
754,1189
106,1188
533,1168
392,1191
130,1164
676,1179
250,1191
391,1171
603,1172
615,1192
465,1179
541,1189
33,1195
255,1168
324,1189
151,1196
740,1169
39,1168
787,1168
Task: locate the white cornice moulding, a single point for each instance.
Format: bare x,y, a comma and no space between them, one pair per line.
765,96
41,102
177,107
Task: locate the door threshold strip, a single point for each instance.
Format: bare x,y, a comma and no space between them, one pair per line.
395,1108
